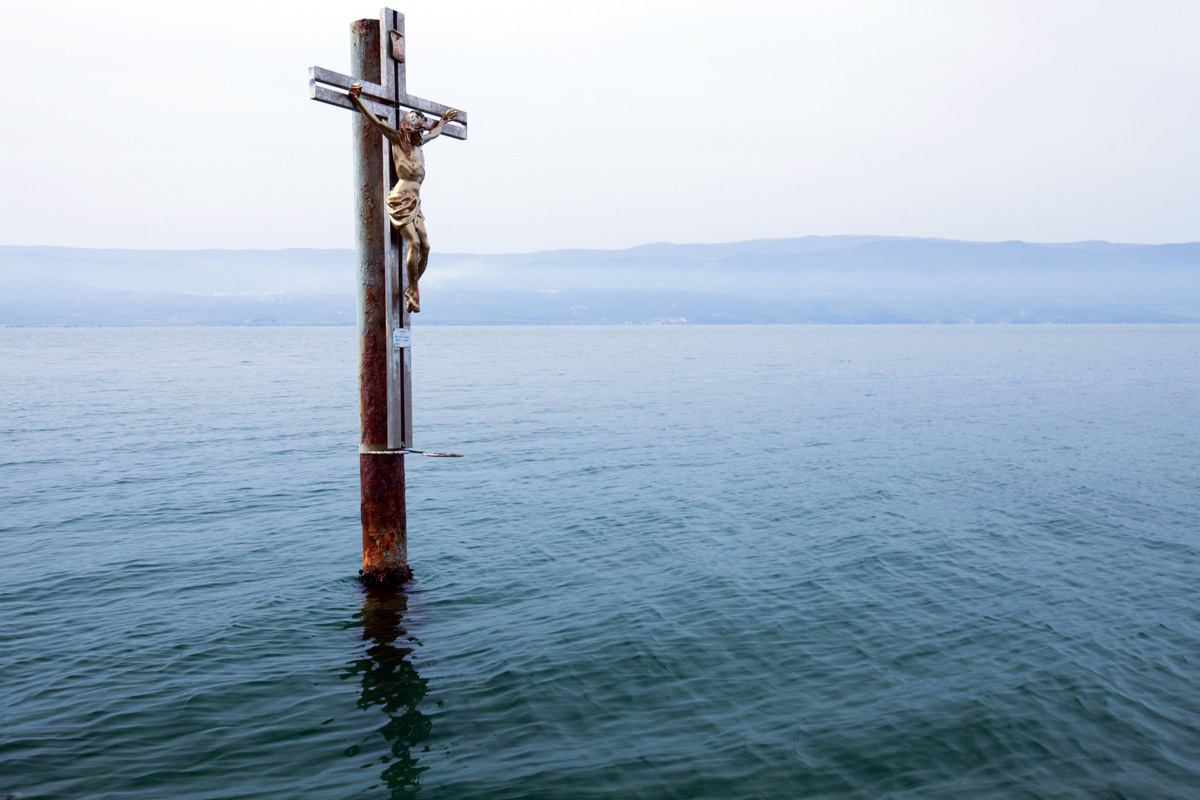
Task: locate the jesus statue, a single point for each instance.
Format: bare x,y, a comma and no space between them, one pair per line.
404,200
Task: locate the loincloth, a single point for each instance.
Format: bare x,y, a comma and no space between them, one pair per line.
404,207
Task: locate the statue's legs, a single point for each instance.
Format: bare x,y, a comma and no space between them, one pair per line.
419,224
412,265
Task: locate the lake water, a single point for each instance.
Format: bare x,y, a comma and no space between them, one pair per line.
676,562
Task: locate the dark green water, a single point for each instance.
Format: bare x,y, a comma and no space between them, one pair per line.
829,562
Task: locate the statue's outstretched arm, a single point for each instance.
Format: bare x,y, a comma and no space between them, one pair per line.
436,130
387,130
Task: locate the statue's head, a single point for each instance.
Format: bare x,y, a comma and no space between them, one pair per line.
413,121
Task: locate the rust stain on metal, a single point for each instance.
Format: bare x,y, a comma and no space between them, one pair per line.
372,375
384,522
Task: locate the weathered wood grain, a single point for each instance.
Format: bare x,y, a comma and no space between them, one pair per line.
430,107
395,20
399,394
318,90
323,94
399,85
370,89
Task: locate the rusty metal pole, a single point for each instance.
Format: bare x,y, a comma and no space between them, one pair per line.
384,527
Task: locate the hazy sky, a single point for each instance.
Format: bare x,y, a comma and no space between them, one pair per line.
137,124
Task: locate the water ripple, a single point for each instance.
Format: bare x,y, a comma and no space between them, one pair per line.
829,562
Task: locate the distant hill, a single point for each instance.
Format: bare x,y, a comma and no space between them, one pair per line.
833,279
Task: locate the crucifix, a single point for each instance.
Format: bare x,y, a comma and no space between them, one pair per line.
387,232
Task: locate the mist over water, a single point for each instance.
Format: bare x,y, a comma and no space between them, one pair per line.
843,562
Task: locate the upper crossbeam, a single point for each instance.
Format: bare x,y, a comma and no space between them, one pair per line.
378,98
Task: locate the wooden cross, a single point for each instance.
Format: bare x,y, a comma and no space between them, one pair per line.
387,100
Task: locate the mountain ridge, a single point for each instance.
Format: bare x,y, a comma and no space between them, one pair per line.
802,279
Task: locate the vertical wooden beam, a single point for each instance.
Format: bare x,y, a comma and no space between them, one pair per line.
384,527
400,432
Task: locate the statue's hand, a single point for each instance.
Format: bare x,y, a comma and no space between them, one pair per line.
355,89
450,115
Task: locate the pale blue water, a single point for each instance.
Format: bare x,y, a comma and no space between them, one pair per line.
829,562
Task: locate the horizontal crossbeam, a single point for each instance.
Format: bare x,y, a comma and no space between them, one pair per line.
377,98
324,94
370,89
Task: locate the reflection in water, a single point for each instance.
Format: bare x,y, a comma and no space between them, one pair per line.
390,681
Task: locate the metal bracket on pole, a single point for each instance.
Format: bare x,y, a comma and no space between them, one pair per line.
376,450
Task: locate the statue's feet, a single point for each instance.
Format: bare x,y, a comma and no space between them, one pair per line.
412,301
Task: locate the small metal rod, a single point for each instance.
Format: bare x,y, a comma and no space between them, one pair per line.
379,450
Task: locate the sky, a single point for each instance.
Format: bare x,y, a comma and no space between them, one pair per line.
608,125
